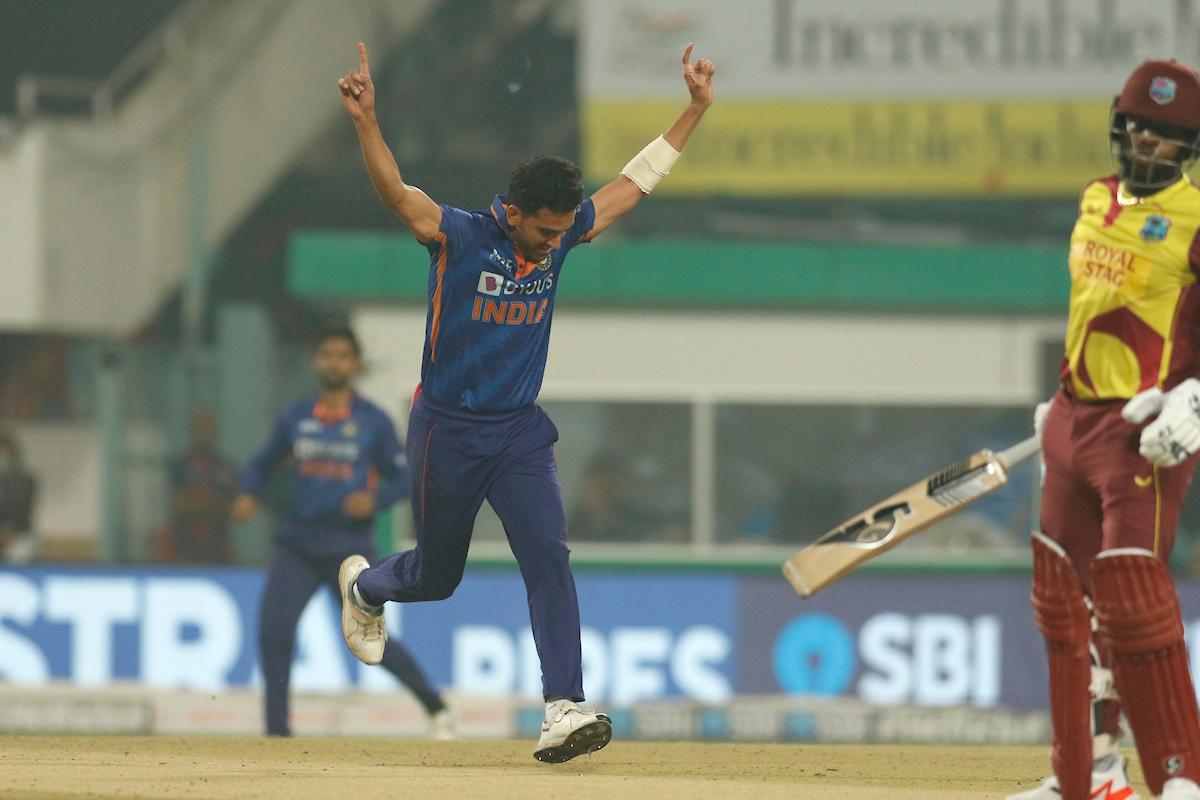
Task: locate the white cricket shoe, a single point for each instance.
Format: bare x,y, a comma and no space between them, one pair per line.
362,628
1180,789
1109,782
441,726
570,731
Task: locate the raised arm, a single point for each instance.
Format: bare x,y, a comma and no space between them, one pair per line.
639,177
414,208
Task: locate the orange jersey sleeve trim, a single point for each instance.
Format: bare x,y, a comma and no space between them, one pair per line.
439,281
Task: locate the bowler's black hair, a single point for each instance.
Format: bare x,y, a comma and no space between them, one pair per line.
547,182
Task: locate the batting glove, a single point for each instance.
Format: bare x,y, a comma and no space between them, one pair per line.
1175,435
1143,405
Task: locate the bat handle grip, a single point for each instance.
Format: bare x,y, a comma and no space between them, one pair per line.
1021,451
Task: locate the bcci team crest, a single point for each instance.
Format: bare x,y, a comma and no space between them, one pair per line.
1162,90
1155,229
544,264
349,430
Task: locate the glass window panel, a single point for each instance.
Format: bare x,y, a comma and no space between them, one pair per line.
787,474
625,471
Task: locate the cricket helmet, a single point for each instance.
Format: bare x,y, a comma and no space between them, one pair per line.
1162,97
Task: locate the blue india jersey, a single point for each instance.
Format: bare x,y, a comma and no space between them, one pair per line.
487,332
329,456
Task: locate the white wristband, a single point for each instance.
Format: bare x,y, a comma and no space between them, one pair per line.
651,165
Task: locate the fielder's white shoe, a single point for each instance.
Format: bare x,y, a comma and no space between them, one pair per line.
1180,789
1109,782
441,726
362,628
570,731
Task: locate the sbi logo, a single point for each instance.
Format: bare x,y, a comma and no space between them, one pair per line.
927,659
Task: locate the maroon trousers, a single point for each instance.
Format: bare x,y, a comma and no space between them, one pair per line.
1099,493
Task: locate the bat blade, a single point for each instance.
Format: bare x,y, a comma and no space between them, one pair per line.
889,522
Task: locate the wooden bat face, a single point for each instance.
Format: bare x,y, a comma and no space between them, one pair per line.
884,525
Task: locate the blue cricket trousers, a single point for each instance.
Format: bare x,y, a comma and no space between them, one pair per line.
456,461
291,581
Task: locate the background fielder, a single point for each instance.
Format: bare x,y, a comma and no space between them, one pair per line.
345,463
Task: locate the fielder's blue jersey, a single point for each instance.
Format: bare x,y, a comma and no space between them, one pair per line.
488,328
330,456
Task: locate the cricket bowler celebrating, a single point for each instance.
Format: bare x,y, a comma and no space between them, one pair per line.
476,432
1119,443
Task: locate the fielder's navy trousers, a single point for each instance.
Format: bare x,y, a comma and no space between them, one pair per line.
292,579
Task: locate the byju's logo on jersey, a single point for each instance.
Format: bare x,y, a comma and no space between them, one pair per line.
491,283
1162,90
496,285
1155,229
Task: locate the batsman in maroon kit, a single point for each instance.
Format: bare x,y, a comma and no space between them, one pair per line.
1119,445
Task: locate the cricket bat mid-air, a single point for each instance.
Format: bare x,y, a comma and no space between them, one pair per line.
886,524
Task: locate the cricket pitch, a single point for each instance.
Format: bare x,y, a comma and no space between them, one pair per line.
43,767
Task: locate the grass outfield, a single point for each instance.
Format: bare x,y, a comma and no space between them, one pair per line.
42,767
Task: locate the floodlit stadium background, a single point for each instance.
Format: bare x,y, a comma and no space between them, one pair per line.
855,275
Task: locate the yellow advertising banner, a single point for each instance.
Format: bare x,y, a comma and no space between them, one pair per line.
863,147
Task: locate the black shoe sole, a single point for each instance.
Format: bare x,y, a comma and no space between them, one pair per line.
588,739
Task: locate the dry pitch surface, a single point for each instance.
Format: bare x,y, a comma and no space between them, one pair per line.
42,767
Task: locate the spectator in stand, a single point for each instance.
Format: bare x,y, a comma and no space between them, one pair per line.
203,485
18,492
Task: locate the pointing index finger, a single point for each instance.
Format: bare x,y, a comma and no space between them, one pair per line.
687,54
363,66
